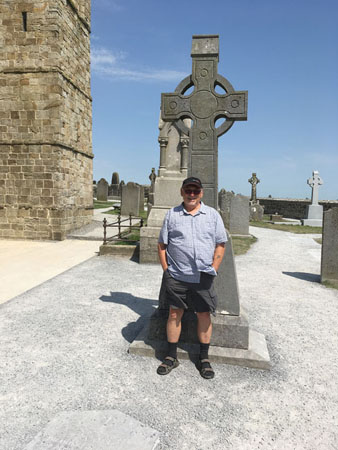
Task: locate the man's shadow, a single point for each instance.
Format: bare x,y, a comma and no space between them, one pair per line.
144,307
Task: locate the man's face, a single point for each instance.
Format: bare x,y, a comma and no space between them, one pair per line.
192,195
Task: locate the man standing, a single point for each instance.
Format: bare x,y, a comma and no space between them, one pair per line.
191,247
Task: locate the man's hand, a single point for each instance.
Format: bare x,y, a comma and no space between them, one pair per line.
162,255
218,256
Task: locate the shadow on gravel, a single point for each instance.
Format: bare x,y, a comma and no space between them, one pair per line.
144,307
304,276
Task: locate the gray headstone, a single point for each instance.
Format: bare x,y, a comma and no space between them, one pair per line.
256,212
141,199
99,430
130,200
329,265
235,212
102,190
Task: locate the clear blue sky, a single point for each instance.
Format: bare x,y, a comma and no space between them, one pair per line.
284,52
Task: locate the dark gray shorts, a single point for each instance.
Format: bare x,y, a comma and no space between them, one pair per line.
200,297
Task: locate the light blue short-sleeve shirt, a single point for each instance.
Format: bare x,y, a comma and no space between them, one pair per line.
191,241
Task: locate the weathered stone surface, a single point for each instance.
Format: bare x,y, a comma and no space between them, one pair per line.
102,190
235,212
45,109
204,106
329,264
130,199
99,430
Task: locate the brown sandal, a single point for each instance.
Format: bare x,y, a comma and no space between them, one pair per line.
205,369
167,366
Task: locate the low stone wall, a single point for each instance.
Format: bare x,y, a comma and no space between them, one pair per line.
291,208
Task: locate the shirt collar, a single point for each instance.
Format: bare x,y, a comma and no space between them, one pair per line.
202,209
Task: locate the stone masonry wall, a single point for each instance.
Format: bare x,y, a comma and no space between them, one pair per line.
45,112
291,208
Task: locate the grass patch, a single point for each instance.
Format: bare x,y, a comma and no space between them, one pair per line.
242,244
114,212
98,204
330,284
298,229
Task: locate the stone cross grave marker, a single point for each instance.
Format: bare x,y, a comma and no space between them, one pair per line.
253,181
314,182
205,106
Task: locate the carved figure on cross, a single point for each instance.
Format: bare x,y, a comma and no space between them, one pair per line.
254,181
314,182
205,106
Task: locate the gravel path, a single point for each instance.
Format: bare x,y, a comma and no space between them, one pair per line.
64,347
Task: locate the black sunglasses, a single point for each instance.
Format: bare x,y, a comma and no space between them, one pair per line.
192,191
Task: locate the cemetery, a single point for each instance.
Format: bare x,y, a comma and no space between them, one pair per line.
82,300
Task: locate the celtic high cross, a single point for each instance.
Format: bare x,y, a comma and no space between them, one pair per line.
314,182
205,106
254,181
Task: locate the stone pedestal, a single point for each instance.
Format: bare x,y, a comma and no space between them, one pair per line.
314,216
166,186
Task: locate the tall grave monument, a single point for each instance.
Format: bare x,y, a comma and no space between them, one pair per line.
314,214
46,180
232,340
256,210
165,186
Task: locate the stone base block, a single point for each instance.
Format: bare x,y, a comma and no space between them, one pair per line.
255,356
228,331
148,244
314,212
313,222
129,251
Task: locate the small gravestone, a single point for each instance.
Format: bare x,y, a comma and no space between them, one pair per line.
329,265
130,200
235,212
99,430
314,215
102,190
94,189
120,188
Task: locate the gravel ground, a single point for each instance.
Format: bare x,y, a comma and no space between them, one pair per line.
64,347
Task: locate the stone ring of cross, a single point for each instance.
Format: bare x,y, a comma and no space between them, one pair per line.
223,83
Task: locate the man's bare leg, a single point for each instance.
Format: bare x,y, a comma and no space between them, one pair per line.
204,331
204,327
174,324
173,335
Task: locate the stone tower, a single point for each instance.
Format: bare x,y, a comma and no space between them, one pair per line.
45,110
